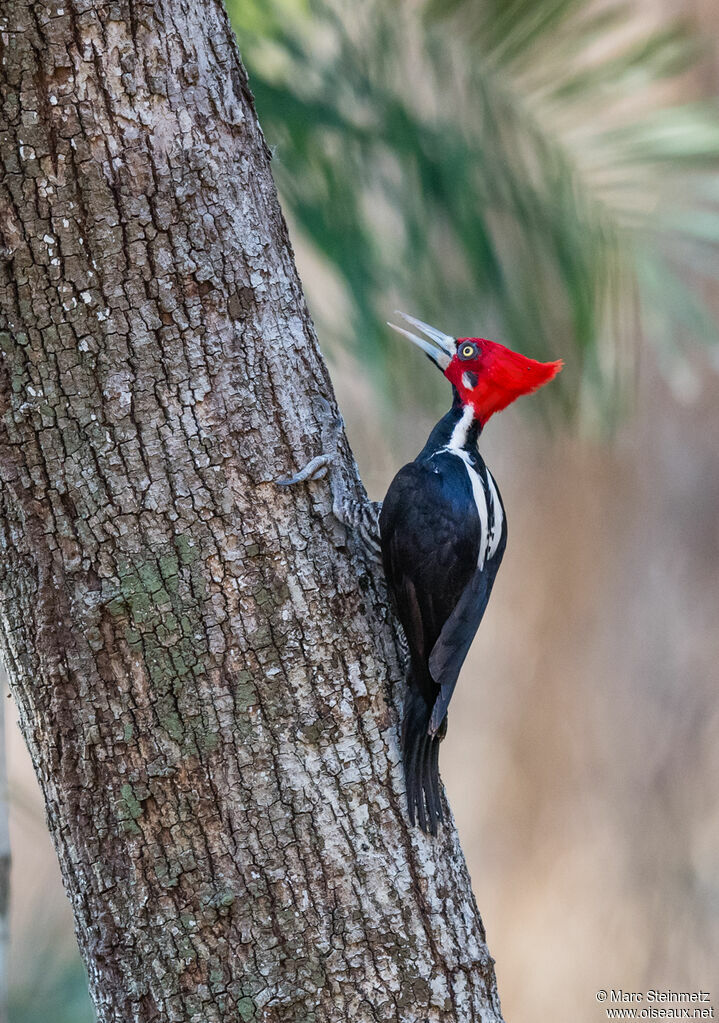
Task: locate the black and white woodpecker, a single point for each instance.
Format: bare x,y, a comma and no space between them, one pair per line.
441,531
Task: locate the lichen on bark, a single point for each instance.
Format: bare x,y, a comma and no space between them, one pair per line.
205,666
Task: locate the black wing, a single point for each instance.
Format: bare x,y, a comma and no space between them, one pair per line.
451,648
430,535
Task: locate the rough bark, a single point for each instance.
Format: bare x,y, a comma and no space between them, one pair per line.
205,668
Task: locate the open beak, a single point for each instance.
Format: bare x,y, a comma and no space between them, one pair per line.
446,346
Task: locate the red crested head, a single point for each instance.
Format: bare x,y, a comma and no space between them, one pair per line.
487,375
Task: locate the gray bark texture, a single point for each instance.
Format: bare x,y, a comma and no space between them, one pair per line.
205,665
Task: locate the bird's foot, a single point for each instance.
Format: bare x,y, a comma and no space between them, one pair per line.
315,469
357,515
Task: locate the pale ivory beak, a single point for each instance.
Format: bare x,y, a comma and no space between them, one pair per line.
441,356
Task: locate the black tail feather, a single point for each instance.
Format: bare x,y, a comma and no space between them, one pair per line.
420,757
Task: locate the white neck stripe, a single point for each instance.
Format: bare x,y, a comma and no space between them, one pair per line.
459,433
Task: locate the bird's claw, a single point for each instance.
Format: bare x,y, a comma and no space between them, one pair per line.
315,469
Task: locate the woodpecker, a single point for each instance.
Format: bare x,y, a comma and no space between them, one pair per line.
440,534
443,531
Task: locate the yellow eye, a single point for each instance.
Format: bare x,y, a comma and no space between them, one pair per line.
467,350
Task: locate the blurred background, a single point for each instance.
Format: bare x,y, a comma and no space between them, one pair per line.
543,173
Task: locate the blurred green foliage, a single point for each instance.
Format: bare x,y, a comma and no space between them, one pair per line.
57,992
518,169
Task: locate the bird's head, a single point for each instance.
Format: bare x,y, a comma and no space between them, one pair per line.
487,375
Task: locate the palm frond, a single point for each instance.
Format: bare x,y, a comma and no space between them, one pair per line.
512,168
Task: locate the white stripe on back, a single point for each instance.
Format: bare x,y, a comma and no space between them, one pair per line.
497,515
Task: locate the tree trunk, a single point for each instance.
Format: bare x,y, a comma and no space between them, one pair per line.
205,669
